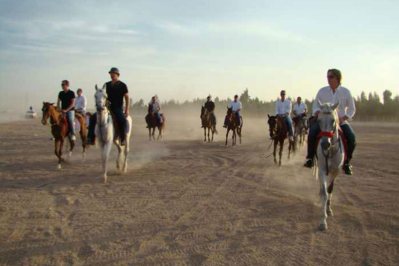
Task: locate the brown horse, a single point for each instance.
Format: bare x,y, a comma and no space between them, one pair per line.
208,122
300,129
278,133
59,129
152,123
233,124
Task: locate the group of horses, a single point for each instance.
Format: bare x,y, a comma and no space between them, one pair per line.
330,152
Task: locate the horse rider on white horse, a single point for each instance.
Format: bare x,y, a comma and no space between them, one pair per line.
117,92
299,110
66,102
334,93
236,108
283,109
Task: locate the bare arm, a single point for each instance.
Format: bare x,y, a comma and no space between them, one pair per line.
127,100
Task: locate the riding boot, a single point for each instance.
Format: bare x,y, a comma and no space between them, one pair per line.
351,144
312,140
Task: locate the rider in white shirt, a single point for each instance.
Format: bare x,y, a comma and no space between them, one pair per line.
80,102
236,107
299,110
283,109
334,93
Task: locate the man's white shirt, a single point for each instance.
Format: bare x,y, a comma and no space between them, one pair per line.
283,107
81,103
342,96
299,108
235,106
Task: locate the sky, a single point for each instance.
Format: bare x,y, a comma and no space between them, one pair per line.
184,49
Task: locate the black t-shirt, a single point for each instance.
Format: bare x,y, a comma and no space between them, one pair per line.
115,93
210,106
66,98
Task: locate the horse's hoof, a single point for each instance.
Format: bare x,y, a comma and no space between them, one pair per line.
330,212
70,154
59,166
323,227
105,179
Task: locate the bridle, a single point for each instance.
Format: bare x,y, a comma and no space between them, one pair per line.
329,135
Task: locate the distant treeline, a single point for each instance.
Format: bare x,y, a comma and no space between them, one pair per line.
367,107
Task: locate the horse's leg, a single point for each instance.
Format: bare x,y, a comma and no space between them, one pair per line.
275,142
153,133
159,133
105,154
213,132
289,148
233,137
329,191
227,135
126,151
209,133
204,134
239,133
118,158
324,198
83,137
57,144
280,153
149,133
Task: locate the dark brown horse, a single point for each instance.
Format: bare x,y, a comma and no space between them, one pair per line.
233,124
153,123
208,122
300,130
60,129
278,133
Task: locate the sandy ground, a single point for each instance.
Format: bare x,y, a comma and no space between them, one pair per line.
188,202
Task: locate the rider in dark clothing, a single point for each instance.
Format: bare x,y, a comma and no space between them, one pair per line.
116,91
210,107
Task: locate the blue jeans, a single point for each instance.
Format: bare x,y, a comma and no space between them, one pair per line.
158,116
314,131
121,122
71,121
288,122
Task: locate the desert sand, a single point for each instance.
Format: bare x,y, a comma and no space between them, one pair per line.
187,202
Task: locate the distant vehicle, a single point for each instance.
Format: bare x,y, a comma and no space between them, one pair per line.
30,113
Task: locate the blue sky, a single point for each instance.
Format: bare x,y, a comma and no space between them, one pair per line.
187,49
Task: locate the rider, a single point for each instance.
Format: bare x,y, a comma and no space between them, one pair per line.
117,91
299,110
154,107
334,93
66,102
283,109
80,103
210,107
236,107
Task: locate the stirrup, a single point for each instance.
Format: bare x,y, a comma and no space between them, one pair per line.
309,163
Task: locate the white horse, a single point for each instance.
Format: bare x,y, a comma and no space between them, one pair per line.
105,133
330,157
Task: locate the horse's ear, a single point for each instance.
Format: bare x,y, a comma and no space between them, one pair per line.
51,103
334,106
104,86
268,115
96,87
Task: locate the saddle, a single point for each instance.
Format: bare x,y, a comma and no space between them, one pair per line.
342,137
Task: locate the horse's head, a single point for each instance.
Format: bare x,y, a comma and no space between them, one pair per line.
46,111
328,122
101,98
272,121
